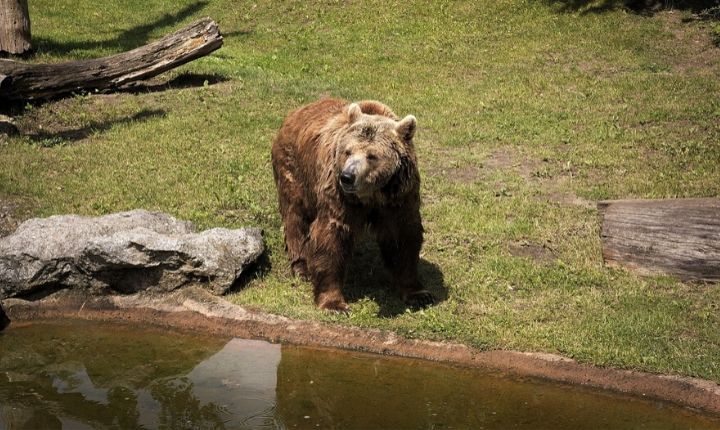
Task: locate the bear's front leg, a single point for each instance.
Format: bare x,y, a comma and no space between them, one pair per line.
400,237
329,247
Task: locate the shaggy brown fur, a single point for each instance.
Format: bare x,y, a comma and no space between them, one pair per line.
338,168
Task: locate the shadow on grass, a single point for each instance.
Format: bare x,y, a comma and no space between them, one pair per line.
182,81
15,108
50,139
367,278
125,40
643,7
237,33
259,269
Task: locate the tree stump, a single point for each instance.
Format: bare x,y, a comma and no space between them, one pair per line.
14,27
33,81
680,237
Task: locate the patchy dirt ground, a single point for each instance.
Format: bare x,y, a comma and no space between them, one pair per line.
540,254
701,54
197,310
552,177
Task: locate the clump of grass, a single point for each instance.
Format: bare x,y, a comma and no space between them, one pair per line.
526,117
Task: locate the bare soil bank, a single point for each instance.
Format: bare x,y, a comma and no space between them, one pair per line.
197,310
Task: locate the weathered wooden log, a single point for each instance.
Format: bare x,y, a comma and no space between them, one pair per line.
34,81
680,237
14,27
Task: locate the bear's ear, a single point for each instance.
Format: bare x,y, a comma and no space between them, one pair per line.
406,128
353,113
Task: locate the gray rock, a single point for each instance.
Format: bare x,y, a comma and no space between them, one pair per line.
125,252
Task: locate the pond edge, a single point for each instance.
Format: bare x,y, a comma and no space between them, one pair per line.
196,309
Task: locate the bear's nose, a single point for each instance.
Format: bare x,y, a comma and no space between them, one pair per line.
347,178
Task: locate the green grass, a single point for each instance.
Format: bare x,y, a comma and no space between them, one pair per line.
527,114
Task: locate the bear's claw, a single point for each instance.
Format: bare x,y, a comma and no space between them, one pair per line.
336,306
420,299
341,309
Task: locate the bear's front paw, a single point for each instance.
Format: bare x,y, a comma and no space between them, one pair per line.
332,301
420,299
337,306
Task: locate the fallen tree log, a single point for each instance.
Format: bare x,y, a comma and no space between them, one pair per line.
680,237
24,81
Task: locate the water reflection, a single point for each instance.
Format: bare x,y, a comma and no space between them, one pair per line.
241,380
83,376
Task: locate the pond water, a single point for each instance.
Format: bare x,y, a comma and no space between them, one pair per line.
80,375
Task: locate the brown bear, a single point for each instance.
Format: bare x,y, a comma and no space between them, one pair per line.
340,167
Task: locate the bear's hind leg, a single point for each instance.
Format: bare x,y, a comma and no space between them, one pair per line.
296,236
400,241
295,221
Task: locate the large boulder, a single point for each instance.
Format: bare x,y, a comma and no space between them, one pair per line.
125,252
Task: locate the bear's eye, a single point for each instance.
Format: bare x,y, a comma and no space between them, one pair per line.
372,157
348,152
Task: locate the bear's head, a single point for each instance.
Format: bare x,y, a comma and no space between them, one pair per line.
374,154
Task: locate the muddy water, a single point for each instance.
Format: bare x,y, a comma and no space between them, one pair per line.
97,376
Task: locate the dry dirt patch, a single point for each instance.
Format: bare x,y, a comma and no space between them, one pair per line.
540,254
699,54
551,177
